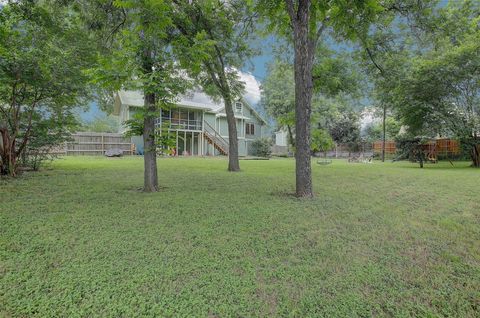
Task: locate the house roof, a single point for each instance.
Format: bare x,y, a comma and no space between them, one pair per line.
200,100
192,99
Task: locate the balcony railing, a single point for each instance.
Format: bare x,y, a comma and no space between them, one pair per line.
186,124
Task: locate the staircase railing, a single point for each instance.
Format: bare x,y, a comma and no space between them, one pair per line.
215,137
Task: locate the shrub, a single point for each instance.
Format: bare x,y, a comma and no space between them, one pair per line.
262,147
321,141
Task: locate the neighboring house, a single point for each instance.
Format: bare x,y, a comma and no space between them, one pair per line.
200,124
281,142
281,138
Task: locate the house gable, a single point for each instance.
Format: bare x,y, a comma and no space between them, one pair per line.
247,112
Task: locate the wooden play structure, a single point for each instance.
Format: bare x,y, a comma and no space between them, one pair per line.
430,151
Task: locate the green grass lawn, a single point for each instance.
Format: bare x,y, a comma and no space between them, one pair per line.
80,240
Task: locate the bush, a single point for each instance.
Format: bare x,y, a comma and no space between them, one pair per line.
262,147
49,136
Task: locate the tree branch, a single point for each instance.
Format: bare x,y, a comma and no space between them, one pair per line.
213,76
321,28
27,133
291,11
29,126
118,26
370,55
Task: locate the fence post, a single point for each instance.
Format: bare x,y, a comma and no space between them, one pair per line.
103,145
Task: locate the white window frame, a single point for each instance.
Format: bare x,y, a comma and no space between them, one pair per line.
237,108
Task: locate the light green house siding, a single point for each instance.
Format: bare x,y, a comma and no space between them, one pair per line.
209,118
190,120
220,124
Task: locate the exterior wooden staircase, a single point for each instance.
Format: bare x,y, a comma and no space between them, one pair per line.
214,138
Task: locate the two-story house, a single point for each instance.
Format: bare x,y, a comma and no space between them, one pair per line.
198,122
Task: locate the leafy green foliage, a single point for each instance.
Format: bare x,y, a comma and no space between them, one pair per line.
138,55
334,76
165,140
50,135
412,148
347,20
374,131
337,116
278,93
81,240
321,141
43,54
101,123
335,73
212,44
440,93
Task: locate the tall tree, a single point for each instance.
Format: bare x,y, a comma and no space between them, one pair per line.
333,74
43,55
138,56
305,22
441,94
212,46
388,47
339,118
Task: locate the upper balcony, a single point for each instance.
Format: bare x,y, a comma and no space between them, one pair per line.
180,124
181,119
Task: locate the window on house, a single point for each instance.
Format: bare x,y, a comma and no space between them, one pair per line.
249,129
238,107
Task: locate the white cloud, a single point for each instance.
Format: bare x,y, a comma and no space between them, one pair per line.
252,88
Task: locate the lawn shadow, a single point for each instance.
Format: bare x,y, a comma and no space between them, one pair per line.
140,189
284,194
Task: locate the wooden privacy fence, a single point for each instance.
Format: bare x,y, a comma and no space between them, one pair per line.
390,147
95,144
446,147
442,147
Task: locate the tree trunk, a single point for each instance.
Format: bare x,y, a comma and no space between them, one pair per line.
384,137
290,136
233,162
421,158
475,154
304,47
3,152
150,182
150,151
8,156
